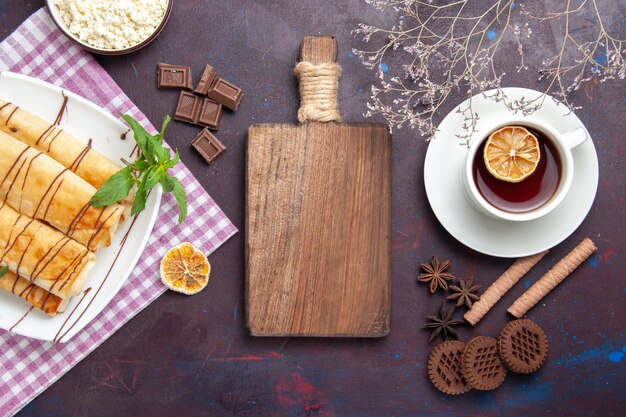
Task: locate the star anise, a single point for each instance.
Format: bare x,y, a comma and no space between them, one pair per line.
441,323
436,274
464,293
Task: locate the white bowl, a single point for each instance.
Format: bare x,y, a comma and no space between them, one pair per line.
54,11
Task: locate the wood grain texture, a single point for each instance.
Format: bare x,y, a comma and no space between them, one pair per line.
318,223
318,230
318,49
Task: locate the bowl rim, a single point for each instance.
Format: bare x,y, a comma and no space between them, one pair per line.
100,51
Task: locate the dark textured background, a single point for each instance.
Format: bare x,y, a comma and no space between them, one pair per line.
191,356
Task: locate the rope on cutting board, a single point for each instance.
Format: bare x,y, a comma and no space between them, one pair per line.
318,91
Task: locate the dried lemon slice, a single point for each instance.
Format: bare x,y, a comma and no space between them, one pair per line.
184,268
511,153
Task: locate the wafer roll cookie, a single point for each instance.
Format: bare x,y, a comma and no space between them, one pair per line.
500,287
552,278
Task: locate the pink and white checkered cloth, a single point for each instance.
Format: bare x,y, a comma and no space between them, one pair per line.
27,367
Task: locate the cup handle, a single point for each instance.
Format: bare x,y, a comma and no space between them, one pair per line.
575,137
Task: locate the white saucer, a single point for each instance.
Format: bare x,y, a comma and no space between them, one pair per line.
445,158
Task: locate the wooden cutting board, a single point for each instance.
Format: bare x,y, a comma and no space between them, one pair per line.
318,224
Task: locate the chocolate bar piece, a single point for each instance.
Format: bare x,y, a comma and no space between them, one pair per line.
208,146
188,107
173,76
210,114
208,75
198,110
224,92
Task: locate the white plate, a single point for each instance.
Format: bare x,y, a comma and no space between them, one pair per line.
84,120
442,177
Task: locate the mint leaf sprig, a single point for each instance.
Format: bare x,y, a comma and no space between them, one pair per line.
150,168
4,270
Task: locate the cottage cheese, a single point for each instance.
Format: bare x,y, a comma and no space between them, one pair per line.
112,24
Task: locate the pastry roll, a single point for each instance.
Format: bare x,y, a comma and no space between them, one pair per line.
36,185
37,297
42,254
79,157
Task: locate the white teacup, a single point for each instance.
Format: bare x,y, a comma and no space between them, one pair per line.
563,143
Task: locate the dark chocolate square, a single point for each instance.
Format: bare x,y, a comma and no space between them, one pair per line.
226,93
210,114
174,76
206,80
208,146
188,107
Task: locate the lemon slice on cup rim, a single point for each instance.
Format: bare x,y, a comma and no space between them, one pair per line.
512,153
